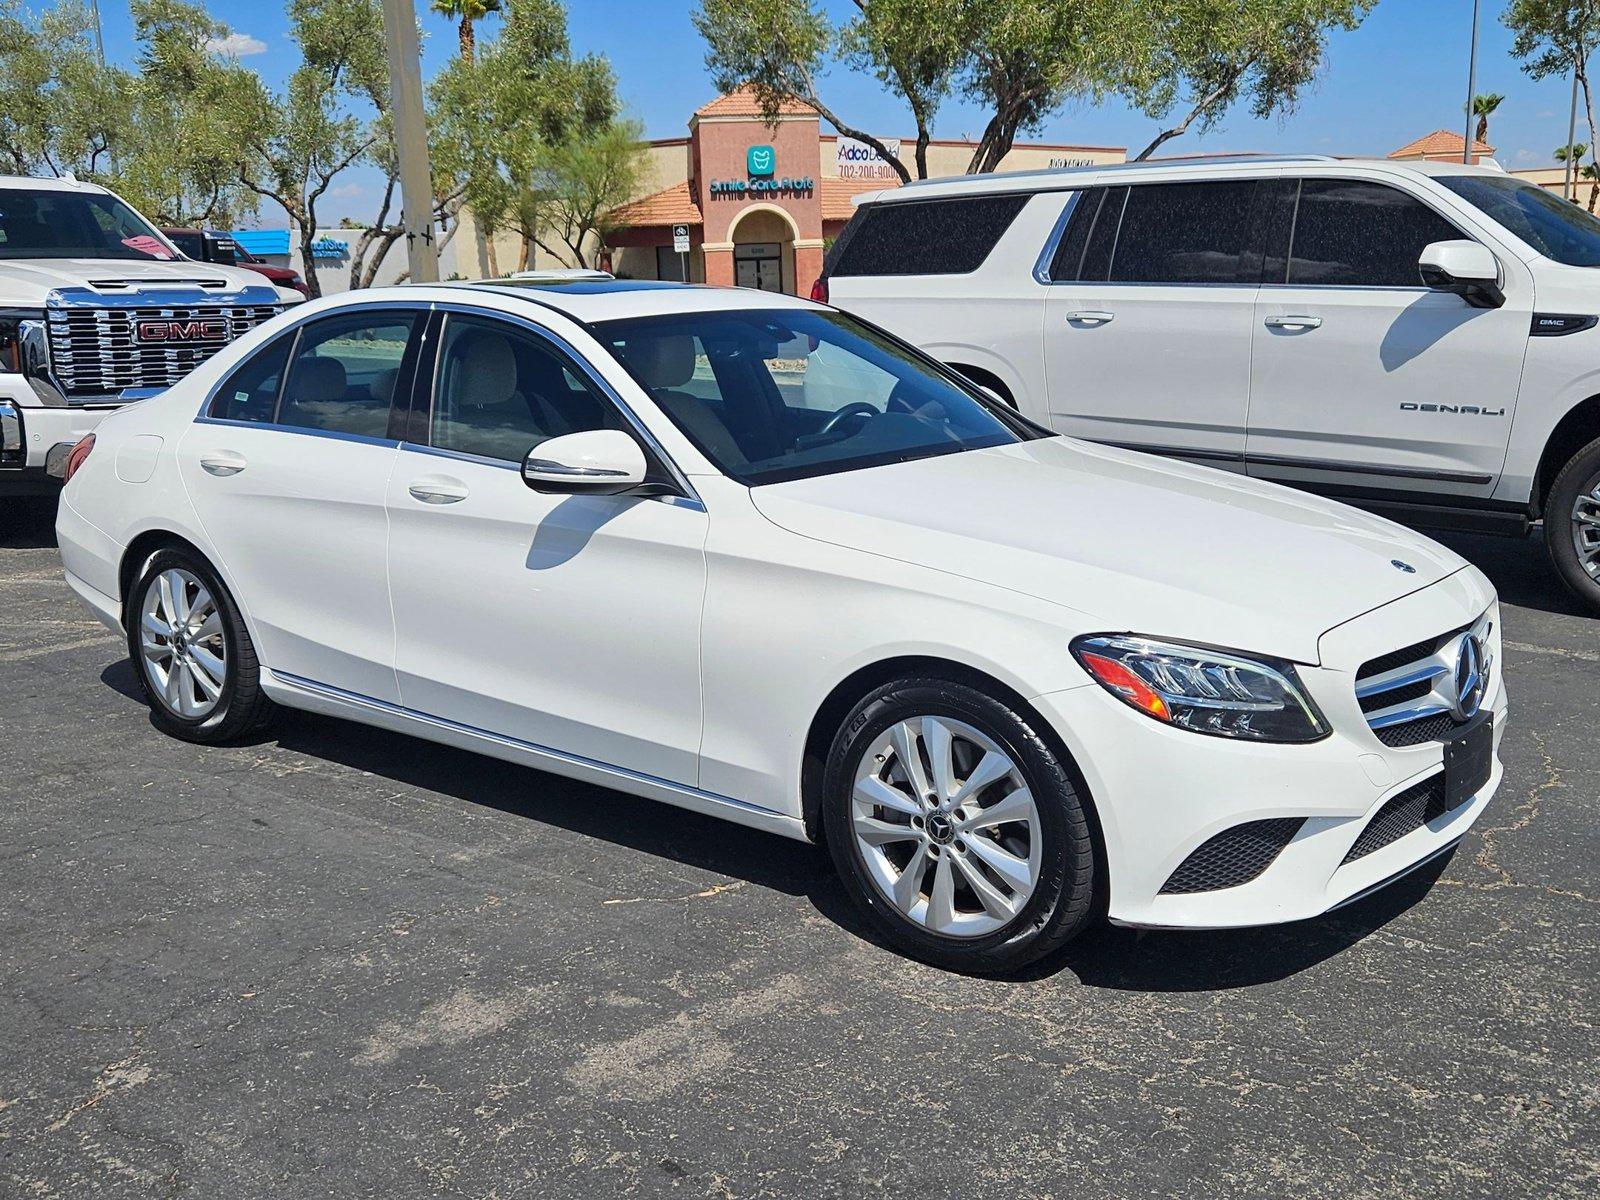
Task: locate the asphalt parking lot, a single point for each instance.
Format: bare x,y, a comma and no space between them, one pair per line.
338,962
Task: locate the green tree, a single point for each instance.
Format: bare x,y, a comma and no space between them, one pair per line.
1483,107
60,110
466,14
1552,38
579,181
1207,54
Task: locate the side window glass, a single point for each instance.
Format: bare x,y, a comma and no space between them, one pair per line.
1270,255
251,392
1362,234
1103,237
1069,251
501,391
1184,233
344,373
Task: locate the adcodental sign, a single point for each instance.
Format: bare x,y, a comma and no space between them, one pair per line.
854,159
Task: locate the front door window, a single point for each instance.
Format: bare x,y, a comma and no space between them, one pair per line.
758,265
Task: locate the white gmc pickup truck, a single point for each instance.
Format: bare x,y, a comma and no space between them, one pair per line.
98,309
1415,338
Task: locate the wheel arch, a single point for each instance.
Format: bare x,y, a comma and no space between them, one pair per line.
1576,429
849,692
143,546
984,377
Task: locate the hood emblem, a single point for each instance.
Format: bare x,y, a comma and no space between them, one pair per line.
1402,566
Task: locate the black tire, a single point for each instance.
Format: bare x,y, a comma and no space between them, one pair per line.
1062,900
242,706
1580,477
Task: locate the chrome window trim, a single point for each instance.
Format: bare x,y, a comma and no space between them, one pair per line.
1041,265
334,435
567,350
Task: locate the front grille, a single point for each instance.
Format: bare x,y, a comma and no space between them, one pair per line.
93,351
1411,809
1233,856
1403,694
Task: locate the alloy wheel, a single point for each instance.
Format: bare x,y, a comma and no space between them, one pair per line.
184,651
1586,528
946,825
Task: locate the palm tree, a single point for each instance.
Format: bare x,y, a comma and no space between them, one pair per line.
466,12
1483,108
1575,152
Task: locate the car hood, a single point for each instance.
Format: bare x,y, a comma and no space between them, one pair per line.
1135,543
28,282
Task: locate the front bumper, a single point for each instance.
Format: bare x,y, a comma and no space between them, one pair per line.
29,434
1162,793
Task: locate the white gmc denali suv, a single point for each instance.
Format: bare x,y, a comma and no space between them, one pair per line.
1415,338
98,309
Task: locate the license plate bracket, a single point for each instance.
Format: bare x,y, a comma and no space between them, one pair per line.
1468,761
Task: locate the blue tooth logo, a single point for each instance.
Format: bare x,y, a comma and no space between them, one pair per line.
760,160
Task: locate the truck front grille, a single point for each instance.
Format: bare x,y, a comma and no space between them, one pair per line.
98,351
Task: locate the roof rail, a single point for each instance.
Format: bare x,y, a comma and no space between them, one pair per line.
1175,161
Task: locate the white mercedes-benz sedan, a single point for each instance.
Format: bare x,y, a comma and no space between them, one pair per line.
749,556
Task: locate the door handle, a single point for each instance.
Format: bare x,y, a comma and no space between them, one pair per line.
1089,316
1294,322
437,489
222,463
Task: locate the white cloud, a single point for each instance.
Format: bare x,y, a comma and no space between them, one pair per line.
236,45
347,191
1527,156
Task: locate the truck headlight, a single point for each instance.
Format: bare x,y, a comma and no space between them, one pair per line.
1215,692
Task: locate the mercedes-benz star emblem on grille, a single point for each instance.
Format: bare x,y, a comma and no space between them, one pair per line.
1470,679
1402,566
180,331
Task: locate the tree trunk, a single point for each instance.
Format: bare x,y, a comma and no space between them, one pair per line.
1594,135
469,40
1482,134
1204,106
491,254
308,235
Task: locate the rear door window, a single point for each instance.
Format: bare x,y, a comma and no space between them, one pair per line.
346,371
1184,233
1353,233
251,392
925,237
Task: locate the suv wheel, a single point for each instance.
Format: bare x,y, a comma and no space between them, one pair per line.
191,651
1572,523
956,827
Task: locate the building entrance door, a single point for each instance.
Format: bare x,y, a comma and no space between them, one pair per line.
758,265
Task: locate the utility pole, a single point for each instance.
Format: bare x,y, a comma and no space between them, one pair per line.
411,139
1472,85
1568,191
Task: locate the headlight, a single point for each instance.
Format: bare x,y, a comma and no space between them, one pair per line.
1204,691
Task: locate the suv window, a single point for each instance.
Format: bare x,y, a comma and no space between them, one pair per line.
502,390
251,392
1554,227
344,372
1184,232
925,237
1360,234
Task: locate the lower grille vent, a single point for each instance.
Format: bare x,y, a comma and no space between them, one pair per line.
1411,809
1233,856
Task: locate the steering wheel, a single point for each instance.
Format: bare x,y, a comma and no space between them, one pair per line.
856,408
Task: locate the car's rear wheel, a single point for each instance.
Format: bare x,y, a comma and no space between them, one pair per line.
190,649
1572,524
957,827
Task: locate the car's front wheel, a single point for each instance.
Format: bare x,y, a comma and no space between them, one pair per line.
191,651
957,827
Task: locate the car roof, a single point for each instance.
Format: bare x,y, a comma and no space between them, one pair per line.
1200,167
46,184
587,300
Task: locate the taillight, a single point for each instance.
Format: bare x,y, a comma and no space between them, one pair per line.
78,455
819,290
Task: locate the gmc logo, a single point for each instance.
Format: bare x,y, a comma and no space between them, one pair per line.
179,331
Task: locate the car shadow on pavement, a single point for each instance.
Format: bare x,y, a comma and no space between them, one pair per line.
27,522
1104,957
1520,570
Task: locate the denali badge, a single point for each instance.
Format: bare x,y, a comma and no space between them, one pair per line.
180,331
1467,410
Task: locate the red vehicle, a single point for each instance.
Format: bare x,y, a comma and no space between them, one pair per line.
207,245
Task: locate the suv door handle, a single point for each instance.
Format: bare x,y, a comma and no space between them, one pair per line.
1294,322
437,489
1089,316
222,463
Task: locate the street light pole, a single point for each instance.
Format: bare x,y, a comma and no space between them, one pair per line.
1472,84
1568,191
411,139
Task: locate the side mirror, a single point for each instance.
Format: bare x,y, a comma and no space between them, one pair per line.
1466,268
601,462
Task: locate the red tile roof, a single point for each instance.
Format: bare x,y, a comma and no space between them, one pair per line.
1440,142
670,206
837,194
743,102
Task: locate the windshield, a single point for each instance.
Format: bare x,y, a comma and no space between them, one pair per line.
1556,228
786,394
45,223
191,244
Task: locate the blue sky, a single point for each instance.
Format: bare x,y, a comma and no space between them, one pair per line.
1402,74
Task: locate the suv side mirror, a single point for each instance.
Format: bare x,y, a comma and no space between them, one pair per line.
599,462
1466,268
